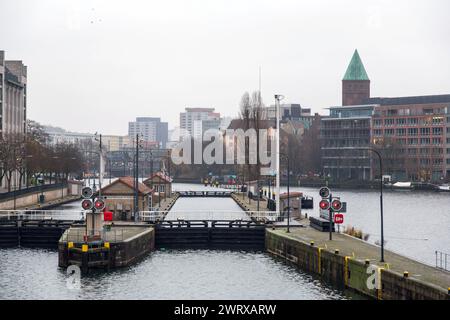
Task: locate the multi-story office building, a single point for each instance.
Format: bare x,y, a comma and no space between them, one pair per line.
417,131
116,143
57,137
13,104
412,133
151,129
288,111
343,134
188,118
201,126
13,96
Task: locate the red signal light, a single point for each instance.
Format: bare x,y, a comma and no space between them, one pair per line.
324,204
99,204
336,205
87,204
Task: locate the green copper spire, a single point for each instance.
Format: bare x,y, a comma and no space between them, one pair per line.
355,70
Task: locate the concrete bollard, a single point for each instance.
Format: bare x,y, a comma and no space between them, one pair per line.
367,262
312,243
405,274
336,251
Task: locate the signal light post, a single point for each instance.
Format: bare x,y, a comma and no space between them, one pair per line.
94,204
331,205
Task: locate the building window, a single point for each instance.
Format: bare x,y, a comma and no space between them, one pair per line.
377,123
413,131
392,112
401,132
413,121
388,122
425,131
401,121
377,132
438,120
437,131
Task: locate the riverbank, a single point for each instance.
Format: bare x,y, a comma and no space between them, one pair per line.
347,262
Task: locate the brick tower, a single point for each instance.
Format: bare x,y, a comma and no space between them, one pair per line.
356,83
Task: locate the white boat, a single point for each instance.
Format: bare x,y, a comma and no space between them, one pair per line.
402,185
444,188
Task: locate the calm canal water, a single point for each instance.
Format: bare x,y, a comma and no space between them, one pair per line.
188,274
169,274
416,224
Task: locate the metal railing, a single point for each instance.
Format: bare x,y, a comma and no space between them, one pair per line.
211,215
442,260
37,215
34,189
80,235
225,193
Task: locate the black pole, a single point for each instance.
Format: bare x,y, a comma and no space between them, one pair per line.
381,202
259,193
168,167
14,193
136,179
288,195
330,221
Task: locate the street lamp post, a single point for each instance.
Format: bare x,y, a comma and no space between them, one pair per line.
381,200
288,193
381,193
278,98
136,180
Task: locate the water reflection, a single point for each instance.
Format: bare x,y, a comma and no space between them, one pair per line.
187,274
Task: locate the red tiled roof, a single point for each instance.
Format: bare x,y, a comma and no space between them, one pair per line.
129,182
161,175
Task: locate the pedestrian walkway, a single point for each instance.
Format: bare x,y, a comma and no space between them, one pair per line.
362,250
51,204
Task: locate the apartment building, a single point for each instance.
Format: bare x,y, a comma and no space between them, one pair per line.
418,130
151,129
190,120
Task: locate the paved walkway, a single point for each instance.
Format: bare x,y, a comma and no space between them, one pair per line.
252,205
361,250
53,203
119,232
167,203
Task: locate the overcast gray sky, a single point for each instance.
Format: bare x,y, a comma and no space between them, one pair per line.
94,65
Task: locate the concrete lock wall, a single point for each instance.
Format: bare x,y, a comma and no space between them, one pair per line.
33,198
397,287
127,252
347,272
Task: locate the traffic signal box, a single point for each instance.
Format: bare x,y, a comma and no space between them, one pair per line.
94,217
329,205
